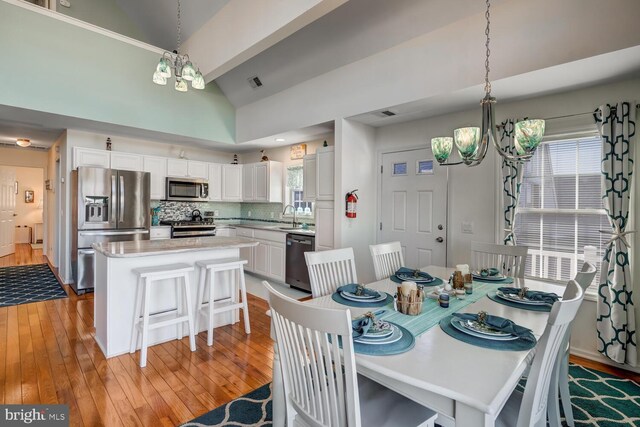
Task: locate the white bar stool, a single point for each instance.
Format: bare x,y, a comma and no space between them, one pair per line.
146,276
207,270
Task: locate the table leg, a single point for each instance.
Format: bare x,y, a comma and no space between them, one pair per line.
467,416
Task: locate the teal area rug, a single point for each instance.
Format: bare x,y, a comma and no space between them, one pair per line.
598,399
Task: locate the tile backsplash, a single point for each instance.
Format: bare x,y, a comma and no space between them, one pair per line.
269,212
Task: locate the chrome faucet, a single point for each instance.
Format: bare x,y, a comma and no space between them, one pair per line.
294,223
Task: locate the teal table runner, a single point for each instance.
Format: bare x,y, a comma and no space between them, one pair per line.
432,313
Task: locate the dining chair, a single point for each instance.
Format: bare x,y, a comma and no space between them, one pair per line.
387,259
509,260
321,386
530,407
329,270
560,378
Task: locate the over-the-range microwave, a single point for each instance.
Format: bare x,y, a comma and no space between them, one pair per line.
187,189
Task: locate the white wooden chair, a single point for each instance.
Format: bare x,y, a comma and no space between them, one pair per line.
560,379
530,408
387,259
318,392
509,260
328,270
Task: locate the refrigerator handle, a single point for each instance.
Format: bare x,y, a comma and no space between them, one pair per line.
121,199
112,201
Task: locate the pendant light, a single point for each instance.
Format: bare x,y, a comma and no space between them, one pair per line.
472,143
182,67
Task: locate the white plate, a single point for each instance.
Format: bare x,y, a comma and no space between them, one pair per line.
476,327
410,278
382,297
378,335
395,336
364,297
457,323
495,278
518,300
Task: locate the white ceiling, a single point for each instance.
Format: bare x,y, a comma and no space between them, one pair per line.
158,19
310,133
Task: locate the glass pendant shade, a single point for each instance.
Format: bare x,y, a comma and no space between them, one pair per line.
181,85
441,148
198,81
188,72
159,79
466,140
164,67
528,136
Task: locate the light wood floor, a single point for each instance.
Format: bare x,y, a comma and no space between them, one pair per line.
48,355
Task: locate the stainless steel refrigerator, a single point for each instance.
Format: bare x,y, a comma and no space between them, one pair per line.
108,205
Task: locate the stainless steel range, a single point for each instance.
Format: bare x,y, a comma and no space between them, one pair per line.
200,228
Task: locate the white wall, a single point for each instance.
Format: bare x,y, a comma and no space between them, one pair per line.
474,193
29,213
53,211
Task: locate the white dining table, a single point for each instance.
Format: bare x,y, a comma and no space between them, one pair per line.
467,385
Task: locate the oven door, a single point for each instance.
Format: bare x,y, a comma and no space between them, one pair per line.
187,190
177,233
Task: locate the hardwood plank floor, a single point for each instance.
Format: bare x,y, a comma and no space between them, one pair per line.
48,355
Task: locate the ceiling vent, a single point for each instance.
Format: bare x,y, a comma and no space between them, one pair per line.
387,113
255,82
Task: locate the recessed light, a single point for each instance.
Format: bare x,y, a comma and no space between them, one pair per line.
23,142
280,140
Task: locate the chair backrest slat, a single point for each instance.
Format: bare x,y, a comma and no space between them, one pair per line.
387,259
510,260
316,386
329,270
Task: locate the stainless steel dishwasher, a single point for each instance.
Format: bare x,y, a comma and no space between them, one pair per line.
297,274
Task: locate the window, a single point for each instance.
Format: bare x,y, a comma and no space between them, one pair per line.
294,192
560,212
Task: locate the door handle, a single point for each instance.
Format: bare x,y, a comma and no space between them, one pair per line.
439,240
121,199
112,233
114,191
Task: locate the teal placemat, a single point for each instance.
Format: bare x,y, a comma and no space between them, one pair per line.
404,344
492,296
341,300
436,282
519,344
432,313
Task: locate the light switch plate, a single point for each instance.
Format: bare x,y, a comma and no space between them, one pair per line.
467,227
249,214
216,213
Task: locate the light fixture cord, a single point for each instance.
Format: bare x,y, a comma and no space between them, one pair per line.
178,49
487,83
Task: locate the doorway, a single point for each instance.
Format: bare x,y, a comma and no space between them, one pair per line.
413,206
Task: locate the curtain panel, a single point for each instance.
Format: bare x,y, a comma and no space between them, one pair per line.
615,311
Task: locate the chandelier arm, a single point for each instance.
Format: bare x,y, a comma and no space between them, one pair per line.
510,157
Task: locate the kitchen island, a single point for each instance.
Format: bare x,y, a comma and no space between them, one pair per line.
115,284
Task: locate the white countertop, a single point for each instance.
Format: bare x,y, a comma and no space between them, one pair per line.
140,248
272,226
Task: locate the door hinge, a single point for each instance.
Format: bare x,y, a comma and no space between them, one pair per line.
380,226
381,168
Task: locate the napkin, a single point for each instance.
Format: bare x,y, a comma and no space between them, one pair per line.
361,325
352,287
492,272
501,324
546,297
424,277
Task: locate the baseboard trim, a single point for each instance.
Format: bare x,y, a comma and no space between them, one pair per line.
597,357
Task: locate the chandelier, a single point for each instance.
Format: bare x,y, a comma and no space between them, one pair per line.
181,66
472,143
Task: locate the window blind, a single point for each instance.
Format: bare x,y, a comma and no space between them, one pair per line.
560,212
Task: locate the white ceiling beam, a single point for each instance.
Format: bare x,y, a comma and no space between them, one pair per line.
244,28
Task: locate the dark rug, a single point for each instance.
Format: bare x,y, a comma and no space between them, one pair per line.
598,399
28,283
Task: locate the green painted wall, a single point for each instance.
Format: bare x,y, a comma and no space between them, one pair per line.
103,13
52,66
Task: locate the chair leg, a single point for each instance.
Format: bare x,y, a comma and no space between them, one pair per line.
202,276
212,276
565,396
553,403
135,331
187,300
145,324
245,309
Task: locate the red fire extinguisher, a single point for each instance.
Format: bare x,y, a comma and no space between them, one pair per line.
351,201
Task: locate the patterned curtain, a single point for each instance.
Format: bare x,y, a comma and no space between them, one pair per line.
615,310
511,181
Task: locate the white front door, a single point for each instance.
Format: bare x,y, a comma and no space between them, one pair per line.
8,188
413,206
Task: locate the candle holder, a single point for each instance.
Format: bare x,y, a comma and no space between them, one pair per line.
411,303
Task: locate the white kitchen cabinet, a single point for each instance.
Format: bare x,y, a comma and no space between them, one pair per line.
262,182
198,169
91,157
246,253
157,167
261,258
309,178
215,182
226,231
232,183
178,168
277,261
324,225
126,161
325,169
160,232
